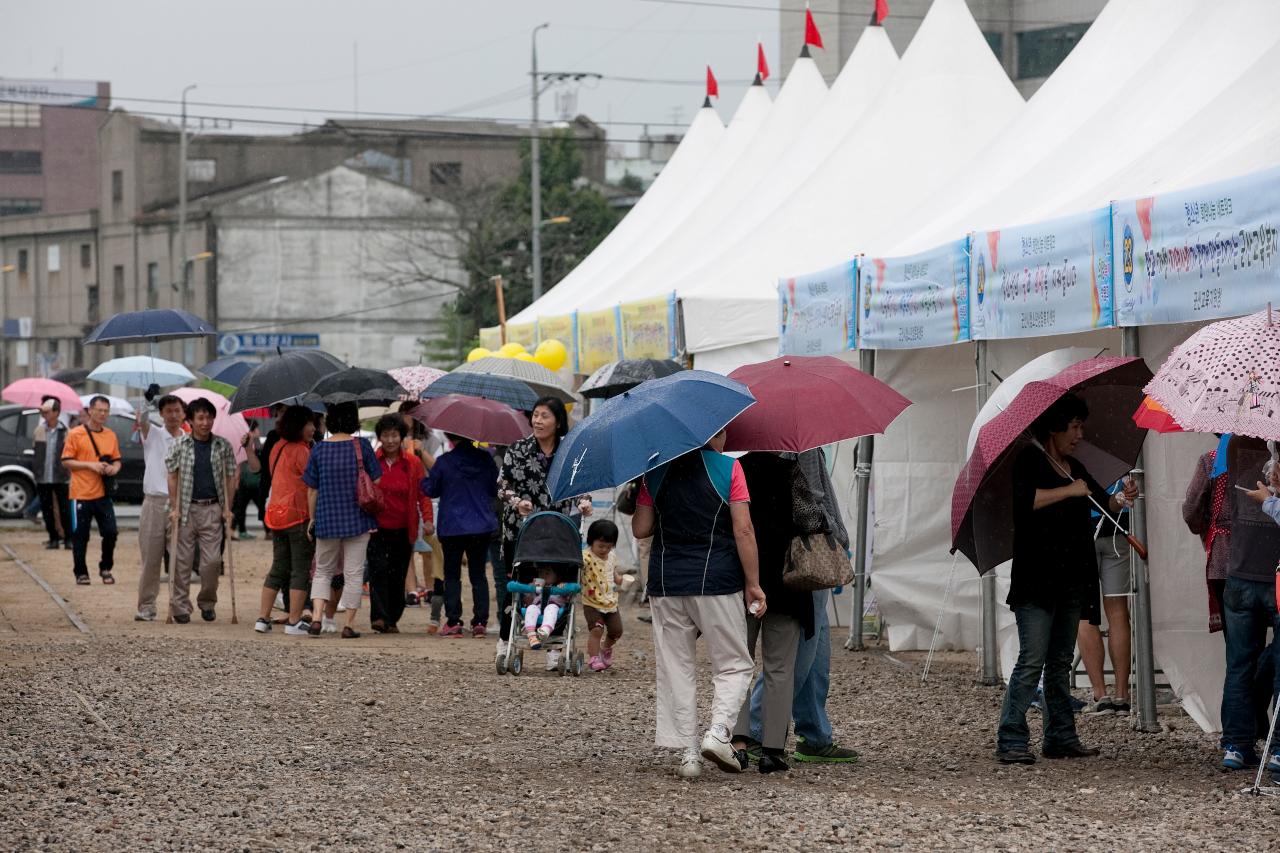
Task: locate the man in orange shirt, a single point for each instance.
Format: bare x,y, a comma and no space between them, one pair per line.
92,455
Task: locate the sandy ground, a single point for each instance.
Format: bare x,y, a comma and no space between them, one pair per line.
209,736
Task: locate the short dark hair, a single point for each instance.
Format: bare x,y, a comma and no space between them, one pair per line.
390,423
605,530
49,398
293,420
98,398
457,439
201,404
1059,416
556,407
342,417
168,400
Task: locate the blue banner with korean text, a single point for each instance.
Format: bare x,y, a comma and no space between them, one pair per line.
815,311
1198,254
1049,278
915,301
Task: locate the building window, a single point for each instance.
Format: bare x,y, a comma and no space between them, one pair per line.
117,288
153,284
20,162
202,171
22,262
117,187
86,256
1041,51
446,174
19,115
19,206
94,306
996,42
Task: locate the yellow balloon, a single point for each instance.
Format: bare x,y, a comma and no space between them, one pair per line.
523,356
551,354
477,354
510,350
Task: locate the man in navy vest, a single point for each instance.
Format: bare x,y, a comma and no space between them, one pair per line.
703,563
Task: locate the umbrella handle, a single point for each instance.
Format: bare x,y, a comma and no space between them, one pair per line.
1137,546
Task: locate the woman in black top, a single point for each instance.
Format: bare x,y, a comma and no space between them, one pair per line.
1054,577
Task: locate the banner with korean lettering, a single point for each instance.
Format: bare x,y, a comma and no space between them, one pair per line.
561,328
649,327
915,301
491,338
598,334
815,311
1198,254
525,334
1049,278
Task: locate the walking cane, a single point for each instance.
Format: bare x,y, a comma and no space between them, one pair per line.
173,567
231,570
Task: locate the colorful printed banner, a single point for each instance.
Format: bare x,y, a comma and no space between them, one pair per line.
815,311
915,301
649,328
1044,279
1198,254
598,335
561,329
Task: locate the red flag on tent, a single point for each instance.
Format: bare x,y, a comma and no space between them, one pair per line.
881,12
762,65
811,34
713,89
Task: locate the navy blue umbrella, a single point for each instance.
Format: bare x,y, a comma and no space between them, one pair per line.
502,389
229,370
149,326
644,428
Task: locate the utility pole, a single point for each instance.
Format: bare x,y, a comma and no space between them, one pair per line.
536,172
182,202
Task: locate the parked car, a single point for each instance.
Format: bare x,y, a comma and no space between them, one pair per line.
18,483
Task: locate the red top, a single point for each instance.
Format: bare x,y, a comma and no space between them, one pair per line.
402,504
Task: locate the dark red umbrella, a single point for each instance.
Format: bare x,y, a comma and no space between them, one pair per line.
803,402
474,418
982,502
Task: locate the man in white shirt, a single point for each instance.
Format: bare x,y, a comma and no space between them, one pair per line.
153,534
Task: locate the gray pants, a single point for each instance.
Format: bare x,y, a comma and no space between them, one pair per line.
781,639
153,536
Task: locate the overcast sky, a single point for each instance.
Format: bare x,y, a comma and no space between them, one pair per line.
469,57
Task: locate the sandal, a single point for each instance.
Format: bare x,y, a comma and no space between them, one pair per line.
378,626
82,580
314,628
107,578
350,634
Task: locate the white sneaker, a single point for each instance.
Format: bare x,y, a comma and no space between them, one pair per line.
502,650
690,764
553,659
328,626
342,608
297,629
262,626
717,747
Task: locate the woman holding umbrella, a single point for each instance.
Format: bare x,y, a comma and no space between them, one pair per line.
1054,577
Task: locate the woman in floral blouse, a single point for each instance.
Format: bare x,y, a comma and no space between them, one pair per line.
522,491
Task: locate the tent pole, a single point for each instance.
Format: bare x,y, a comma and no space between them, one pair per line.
1143,647
862,475
987,583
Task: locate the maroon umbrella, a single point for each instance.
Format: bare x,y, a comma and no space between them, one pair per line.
803,402
474,418
982,502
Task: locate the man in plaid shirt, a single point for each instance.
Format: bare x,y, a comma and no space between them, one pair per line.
202,484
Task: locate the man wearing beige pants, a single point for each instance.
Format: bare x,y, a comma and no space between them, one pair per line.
202,483
153,529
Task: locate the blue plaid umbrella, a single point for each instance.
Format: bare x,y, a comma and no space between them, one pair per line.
501,389
149,326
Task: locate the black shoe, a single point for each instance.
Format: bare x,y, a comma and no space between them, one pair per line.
52,545
68,545
182,618
741,756
1071,750
1015,755
208,615
771,762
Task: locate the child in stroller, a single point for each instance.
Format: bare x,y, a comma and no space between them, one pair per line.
548,556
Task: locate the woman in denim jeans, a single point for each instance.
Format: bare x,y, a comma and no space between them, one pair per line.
1054,578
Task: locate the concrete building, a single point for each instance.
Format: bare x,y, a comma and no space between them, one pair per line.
651,154
48,145
1031,37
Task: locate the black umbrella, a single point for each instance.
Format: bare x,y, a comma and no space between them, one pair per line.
618,376
73,375
359,385
149,326
283,378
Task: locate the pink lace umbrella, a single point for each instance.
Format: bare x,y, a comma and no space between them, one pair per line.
415,378
1225,378
231,427
982,501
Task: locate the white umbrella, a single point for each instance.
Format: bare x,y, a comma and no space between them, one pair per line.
118,406
141,371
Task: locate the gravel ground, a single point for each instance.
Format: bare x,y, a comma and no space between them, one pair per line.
151,736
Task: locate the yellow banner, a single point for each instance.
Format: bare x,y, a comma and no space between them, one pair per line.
560,329
525,334
597,339
648,330
491,339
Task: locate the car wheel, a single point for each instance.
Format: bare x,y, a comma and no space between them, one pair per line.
16,492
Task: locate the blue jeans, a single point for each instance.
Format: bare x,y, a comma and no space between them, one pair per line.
812,682
1248,610
1046,642
84,513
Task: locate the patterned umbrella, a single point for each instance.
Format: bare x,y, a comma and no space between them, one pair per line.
31,392
618,376
504,389
415,378
543,382
982,501
1225,378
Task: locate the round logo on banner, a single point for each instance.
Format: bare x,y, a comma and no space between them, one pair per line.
1126,258
982,277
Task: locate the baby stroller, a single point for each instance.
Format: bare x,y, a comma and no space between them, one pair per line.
547,538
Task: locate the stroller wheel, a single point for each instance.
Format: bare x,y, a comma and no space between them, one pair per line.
577,664
563,666
501,664
517,663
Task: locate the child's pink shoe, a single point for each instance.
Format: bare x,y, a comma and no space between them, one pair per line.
597,665
606,657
